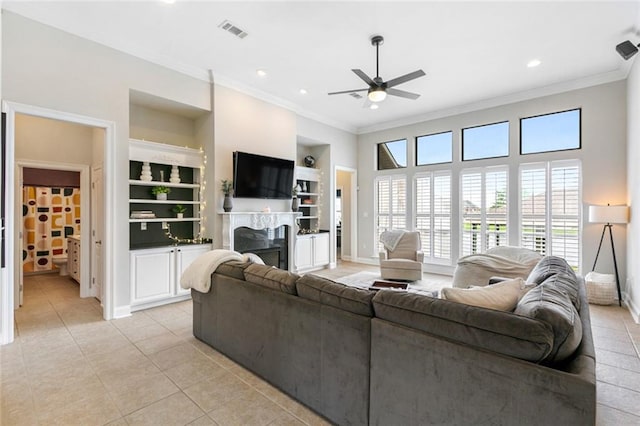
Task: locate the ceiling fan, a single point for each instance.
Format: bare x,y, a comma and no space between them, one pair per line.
379,89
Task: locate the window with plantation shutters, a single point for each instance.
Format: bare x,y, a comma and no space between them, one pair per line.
391,204
550,209
433,215
484,209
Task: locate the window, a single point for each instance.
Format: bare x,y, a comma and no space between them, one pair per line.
550,209
488,141
484,209
550,132
434,149
433,214
392,155
391,204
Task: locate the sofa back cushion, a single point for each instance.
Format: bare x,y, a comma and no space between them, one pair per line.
271,277
327,292
548,266
233,269
502,332
550,304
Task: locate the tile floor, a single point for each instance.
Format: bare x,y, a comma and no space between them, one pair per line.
67,366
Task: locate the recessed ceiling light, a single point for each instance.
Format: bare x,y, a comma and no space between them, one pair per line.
374,106
303,91
534,63
261,73
169,1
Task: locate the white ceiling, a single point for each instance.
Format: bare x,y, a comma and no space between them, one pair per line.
474,53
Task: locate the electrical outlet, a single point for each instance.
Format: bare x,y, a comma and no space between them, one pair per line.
143,226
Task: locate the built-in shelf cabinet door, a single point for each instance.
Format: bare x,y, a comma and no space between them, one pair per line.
321,249
312,251
152,275
304,253
185,255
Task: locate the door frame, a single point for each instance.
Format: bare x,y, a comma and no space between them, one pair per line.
353,216
7,291
85,286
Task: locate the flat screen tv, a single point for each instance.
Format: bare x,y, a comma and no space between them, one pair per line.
257,176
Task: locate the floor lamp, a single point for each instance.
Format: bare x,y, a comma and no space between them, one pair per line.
609,215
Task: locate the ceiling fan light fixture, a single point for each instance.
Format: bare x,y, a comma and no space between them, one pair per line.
377,94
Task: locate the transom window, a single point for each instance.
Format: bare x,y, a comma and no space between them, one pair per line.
550,132
434,149
487,141
392,155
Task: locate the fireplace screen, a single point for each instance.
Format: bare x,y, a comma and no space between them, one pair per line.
270,244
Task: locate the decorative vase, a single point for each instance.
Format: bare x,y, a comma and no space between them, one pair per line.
295,204
161,196
175,175
180,215
227,205
146,172
304,186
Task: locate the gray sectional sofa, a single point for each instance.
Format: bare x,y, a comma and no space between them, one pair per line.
389,358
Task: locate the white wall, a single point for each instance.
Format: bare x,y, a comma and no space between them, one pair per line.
52,141
160,126
53,69
603,157
633,197
244,123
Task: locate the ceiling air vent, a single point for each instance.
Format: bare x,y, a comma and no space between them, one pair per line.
355,95
230,27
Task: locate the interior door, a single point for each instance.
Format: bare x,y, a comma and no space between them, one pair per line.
97,224
19,273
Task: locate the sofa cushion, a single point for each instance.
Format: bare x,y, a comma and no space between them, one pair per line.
233,269
327,292
551,305
502,296
271,277
548,266
496,331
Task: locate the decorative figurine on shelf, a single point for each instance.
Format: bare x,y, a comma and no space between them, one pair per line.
227,189
309,161
160,192
179,210
175,175
146,172
295,201
161,175
304,186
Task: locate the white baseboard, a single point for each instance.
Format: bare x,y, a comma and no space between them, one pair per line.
333,265
346,258
632,307
122,312
368,260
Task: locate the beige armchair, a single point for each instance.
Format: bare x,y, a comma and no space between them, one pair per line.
402,258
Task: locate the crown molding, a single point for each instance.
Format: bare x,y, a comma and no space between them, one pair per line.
538,92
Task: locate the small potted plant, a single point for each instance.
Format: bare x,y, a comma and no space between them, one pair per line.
295,202
227,189
160,192
179,210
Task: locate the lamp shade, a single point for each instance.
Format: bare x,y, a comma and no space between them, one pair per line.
608,214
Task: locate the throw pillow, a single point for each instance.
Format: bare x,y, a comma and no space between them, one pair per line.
503,296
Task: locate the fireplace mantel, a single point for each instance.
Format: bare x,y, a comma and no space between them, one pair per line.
259,220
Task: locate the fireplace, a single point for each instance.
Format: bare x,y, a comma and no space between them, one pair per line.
271,245
269,235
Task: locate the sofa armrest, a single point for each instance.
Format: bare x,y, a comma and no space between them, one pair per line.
383,255
420,256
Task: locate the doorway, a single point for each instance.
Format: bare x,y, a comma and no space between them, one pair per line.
105,136
54,208
345,208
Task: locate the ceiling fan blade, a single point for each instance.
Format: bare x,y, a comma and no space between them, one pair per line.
403,94
405,78
348,91
364,77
